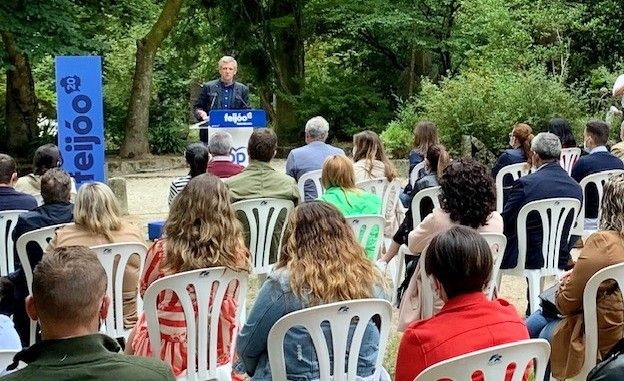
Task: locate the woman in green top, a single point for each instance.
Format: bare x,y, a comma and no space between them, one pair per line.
338,179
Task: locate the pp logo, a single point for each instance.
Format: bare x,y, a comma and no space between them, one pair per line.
70,83
239,155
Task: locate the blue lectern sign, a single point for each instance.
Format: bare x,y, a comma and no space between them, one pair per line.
80,116
240,124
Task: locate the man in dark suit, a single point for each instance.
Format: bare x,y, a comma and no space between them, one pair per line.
10,199
599,159
548,181
222,93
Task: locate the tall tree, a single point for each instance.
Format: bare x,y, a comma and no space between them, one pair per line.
135,143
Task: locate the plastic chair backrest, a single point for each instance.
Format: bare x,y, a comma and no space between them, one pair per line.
363,226
8,218
598,179
415,172
615,272
492,363
569,156
516,171
114,258
553,213
6,358
262,216
340,316
433,193
426,292
497,243
210,286
389,192
315,178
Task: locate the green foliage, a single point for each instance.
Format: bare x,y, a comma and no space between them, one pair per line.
397,137
167,139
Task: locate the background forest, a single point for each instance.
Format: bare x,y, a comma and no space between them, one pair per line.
473,67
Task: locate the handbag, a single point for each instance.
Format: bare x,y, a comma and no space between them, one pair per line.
548,304
612,367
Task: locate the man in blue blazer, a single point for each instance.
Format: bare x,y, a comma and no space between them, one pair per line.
599,159
548,181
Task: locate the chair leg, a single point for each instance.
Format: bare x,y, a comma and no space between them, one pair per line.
534,291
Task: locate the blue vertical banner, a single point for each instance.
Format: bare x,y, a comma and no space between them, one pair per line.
80,117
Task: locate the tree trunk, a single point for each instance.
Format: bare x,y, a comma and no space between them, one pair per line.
21,100
136,143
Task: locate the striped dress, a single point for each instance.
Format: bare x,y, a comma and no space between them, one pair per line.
176,187
171,318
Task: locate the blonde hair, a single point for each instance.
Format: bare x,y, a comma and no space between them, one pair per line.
97,210
338,172
612,208
369,147
202,229
324,261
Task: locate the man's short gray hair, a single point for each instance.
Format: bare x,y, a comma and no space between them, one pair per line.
317,128
220,143
228,59
547,146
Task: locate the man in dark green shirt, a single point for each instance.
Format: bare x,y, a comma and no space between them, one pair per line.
69,300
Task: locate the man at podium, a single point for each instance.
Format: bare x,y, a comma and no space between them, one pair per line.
222,93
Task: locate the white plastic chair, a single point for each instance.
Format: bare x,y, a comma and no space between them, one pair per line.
114,258
41,237
6,358
426,291
363,226
340,316
497,243
598,179
262,216
8,219
432,193
516,171
389,192
210,286
415,171
615,272
492,363
315,178
553,213
569,156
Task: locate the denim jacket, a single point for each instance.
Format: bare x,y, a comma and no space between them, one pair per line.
276,299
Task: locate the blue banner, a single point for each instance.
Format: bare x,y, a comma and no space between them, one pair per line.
237,118
80,117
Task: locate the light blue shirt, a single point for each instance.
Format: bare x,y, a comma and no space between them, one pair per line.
309,158
8,335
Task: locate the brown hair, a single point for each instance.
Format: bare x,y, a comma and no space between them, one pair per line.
68,284
438,159
325,263
369,147
262,145
338,172
202,229
55,186
46,157
523,133
425,135
599,131
7,168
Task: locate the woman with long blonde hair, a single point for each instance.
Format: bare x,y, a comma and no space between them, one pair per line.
370,158
98,221
320,263
201,232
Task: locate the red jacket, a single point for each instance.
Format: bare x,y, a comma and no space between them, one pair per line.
223,168
465,324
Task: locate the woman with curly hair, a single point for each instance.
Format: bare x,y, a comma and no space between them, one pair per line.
202,231
467,198
321,262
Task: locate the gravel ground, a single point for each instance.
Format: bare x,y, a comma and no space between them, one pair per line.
147,201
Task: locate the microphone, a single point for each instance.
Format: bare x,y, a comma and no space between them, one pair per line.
214,98
241,99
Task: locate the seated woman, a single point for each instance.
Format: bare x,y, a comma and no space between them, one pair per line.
603,248
201,232
459,262
338,179
197,157
562,129
320,263
520,141
97,217
425,135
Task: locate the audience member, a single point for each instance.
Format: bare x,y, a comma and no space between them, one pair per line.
436,161
98,221
46,157
197,156
467,198
520,140
69,301
548,181
10,199
321,262
9,339
425,135
603,248
56,209
562,129
618,148
311,156
201,232
220,148
259,179
338,179
459,261
595,137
